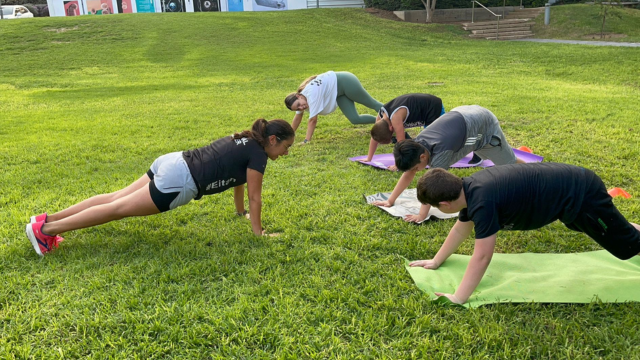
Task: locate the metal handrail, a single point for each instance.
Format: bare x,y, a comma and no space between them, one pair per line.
473,10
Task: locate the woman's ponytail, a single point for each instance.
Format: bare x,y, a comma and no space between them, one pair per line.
305,82
262,129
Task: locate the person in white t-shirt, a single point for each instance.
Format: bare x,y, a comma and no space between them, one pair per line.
321,94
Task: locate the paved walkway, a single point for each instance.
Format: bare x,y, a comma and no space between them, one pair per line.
597,43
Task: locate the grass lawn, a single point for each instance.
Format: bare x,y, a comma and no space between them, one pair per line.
582,22
87,104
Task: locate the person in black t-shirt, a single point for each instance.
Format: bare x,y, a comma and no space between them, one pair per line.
522,197
405,111
175,179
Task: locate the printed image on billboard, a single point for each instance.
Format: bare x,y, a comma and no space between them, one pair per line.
145,6
206,5
124,6
99,7
71,8
269,5
173,6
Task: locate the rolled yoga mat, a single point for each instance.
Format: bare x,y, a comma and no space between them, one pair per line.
383,161
541,278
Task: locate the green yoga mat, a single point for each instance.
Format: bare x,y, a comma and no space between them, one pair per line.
541,278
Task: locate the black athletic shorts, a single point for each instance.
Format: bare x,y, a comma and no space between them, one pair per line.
600,219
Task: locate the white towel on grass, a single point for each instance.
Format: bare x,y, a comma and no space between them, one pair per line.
407,204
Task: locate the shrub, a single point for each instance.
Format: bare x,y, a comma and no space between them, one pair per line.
43,10
35,11
19,2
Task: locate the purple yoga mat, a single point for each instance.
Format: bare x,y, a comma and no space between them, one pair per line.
383,161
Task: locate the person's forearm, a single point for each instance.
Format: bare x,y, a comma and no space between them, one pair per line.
311,126
424,210
458,234
373,145
297,119
475,271
238,198
255,208
402,184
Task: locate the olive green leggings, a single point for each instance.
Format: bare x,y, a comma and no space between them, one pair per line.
349,91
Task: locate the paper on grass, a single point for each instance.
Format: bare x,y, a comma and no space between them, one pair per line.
407,204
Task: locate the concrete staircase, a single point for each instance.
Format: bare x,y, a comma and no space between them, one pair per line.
515,25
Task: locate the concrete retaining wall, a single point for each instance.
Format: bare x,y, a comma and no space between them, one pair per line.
453,15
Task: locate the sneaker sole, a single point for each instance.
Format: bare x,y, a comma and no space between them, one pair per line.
32,238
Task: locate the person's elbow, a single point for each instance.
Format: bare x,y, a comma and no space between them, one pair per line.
482,258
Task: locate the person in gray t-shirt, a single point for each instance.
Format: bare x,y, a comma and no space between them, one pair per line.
451,137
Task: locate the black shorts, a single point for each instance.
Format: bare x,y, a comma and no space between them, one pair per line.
600,219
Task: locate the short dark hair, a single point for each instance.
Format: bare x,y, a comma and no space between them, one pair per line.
380,132
407,154
438,185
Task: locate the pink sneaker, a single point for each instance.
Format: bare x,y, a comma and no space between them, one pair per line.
41,242
37,218
43,217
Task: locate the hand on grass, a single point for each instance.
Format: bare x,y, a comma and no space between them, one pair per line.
427,264
392,168
384,203
414,218
451,297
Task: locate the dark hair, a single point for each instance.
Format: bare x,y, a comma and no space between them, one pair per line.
380,132
438,185
407,154
291,98
262,129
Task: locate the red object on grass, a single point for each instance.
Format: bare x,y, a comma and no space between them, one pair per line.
525,149
619,192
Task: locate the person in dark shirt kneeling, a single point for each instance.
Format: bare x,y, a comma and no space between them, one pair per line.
177,178
522,197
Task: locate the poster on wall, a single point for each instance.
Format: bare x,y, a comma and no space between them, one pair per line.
124,6
269,5
172,5
235,5
99,7
145,6
71,8
206,5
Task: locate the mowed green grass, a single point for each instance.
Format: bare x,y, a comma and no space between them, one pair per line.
584,22
87,110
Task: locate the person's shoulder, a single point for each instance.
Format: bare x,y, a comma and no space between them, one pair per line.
256,146
223,141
